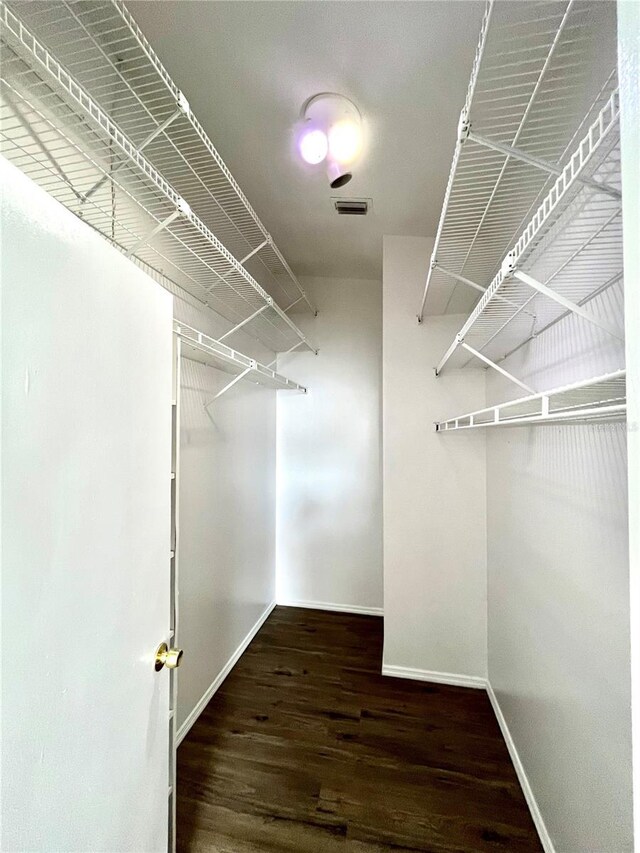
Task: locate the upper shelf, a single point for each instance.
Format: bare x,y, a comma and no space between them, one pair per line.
530,87
207,350
104,50
570,251
89,142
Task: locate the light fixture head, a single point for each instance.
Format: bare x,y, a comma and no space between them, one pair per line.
345,141
313,145
331,131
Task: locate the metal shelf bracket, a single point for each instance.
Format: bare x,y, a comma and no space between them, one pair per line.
497,367
238,326
182,209
568,304
229,385
476,286
538,162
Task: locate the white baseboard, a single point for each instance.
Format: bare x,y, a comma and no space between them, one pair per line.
452,678
329,605
545,838
213,687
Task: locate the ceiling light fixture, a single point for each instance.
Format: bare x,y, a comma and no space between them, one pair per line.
331,130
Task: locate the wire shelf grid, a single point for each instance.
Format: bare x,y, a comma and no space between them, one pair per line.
102,47
572,244
53,130
525,92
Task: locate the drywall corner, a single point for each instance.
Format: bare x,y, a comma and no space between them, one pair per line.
434,484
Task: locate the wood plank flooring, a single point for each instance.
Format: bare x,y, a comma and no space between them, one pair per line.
306,748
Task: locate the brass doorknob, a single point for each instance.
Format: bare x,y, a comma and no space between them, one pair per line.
167,657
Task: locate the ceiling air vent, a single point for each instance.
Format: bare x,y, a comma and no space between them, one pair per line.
352,206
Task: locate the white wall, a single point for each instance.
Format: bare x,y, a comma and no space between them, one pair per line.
558,596
329,521
227,514
434,486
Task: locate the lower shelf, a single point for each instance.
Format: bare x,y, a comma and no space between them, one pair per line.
601,398
200,347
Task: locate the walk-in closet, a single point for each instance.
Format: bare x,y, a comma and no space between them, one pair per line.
320,444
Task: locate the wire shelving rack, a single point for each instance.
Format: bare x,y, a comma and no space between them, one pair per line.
74,135
200,347
569,252
520,121
601,398
531,224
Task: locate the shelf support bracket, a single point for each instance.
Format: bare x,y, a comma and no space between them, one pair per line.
255,251
458,277
497,367
183,109
445,358
242,261
230,384
568,304
539,163
295,302
286,352
244,322
479,287
544,406
183,208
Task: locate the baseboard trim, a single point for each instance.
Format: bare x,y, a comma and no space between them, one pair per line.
215,684
545,838
453,678
336,608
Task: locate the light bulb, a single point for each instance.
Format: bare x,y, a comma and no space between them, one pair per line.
313,146
345,141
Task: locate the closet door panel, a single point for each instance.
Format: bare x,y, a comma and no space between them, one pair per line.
86,451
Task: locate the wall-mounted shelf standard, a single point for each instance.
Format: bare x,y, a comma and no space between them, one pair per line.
521,118
199,347
60,134
570,252
602,398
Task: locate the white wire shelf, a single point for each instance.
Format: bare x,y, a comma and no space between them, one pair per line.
530,86
104,50
570,252
207,350
58,134
601,398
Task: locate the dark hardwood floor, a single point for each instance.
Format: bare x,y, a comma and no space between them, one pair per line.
306,748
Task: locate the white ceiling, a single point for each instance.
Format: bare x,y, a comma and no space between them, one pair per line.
247,67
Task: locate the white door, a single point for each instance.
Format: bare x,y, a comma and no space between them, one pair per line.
86,449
